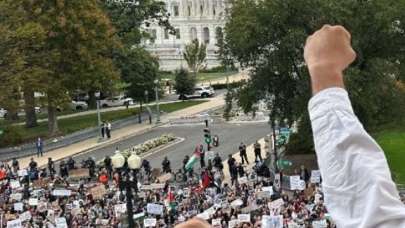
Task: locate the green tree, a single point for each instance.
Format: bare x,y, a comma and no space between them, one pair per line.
272,47
195,54
184,83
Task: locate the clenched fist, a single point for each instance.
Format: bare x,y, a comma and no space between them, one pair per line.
328,53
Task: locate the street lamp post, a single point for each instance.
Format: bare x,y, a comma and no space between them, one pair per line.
134,163
99,119
157,101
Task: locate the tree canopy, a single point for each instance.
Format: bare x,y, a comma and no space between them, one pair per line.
195,54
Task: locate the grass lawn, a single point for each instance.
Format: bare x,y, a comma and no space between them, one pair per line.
203,76
392,140
70,125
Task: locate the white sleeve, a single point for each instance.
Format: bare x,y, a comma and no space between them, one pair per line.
357,184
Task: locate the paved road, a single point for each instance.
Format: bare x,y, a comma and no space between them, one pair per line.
230,137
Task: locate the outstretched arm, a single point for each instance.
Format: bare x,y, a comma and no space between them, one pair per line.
357,184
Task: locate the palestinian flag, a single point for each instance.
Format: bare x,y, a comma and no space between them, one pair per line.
170,200
194,159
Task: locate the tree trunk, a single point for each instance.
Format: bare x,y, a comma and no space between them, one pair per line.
92,100
52,120
29,107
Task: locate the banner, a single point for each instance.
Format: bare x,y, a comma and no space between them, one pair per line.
244,217
155,209
272,221
150,222
315,176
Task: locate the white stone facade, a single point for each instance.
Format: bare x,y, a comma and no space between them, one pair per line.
192,19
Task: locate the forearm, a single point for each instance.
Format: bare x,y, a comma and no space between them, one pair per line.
324,77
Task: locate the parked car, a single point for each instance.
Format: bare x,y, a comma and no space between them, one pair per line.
78,105
116,101
200,92
3,112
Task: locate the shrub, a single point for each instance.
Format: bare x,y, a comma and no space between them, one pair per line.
11,136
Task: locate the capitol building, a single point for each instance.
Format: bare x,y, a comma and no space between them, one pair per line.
192,19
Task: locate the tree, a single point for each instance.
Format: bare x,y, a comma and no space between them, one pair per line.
272,47
223,51
184,83
195,54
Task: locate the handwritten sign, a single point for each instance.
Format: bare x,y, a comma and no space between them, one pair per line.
98,192
233,223
294,182
149,222
315,176
272,221
61,192
244,217
14,224
61,222
155,209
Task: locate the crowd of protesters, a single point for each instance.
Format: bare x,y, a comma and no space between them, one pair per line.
28,196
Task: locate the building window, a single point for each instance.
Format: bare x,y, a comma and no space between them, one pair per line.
166,34
201,9
189,10
193,33
214,12
178,34
176,11
206,35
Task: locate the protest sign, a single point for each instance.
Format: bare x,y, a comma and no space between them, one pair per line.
166,177
22,173
14,184
236,203
61,222
263,195
315,176
14,224
216,223
272,221
268,189
233,223
61,192
139,215
79,173
277,181
155,209
120,208
294,182
16,196
25,216
244,217
320,224
18,206
33,201
98,191
152,187
204,216
42,207
149,222
275,205
301,185
243,180
41,183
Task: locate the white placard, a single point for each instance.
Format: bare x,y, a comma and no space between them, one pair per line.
216,222
243,180
155,209
268,189
25,216
233,223
294,182
15,184
16,196
120,208
315,176
149,222
277,181
18,206
61,222
14,223
204,216
33,201
244,217
320,224
275,205
22,173
272,221
237,203
61,192
301,185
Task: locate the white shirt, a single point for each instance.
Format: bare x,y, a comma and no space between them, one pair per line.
357,184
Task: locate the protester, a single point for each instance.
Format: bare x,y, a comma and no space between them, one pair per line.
242,153
258,151
39,144
108,130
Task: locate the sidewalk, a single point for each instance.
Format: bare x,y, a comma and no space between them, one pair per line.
120,134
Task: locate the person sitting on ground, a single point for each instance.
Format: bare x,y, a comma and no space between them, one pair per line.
357,184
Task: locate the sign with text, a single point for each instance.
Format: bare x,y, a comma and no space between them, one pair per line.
233,223
33,201
22,173
272,221
98,191
275,205
149,222
120,208
14,224
155,209
14,184
61,192
244,217
315,176
18,206
25,216
61,222
79,173
294,182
